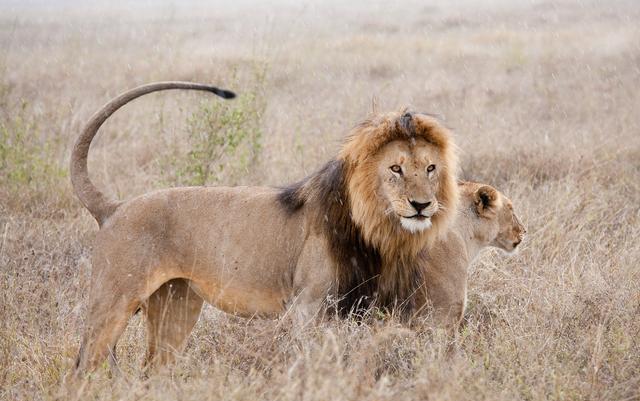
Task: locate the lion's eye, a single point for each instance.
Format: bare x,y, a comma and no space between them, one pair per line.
396,169
431,168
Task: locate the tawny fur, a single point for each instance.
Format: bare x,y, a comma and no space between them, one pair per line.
485,219
258,251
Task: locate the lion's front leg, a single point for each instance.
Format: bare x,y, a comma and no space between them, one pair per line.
312,282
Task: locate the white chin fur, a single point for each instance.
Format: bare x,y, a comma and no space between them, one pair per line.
415,225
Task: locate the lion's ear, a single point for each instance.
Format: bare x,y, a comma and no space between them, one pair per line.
486,199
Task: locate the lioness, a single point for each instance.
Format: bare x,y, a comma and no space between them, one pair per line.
352,230
485,218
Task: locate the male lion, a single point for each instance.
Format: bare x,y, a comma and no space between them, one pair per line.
351,230
485,218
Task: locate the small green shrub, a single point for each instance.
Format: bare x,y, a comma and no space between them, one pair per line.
224,136
26,160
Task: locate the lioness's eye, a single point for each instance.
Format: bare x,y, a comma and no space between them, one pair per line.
431,168
396,169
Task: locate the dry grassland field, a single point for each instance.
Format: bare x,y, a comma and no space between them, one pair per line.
544,102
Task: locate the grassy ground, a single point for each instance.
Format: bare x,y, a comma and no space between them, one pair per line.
543,98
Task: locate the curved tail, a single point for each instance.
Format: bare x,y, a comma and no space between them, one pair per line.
99,205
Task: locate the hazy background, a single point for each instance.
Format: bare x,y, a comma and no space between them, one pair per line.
542,97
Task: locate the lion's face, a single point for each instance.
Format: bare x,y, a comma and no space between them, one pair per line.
401,181
408,173
499,221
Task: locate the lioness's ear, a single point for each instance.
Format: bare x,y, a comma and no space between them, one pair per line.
486,199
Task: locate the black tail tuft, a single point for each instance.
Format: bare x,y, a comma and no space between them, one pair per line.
223,93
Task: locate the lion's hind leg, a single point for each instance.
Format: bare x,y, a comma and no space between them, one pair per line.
122,278
171,311
110,308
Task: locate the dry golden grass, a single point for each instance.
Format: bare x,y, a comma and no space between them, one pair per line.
544,101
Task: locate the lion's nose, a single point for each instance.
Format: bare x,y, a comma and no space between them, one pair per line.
517,242
420,206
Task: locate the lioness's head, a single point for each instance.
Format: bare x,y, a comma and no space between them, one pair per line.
402,185
497,223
